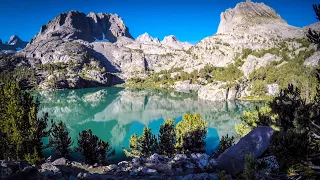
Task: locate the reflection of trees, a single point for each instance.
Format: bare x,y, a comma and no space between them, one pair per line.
116,109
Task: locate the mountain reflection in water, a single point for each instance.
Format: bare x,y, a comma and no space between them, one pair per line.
114,114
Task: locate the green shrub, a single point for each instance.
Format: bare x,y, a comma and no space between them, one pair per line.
258,117
245,53
250,168
191,133
224,144
289,147
259,88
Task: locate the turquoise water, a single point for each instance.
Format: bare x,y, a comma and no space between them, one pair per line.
114,114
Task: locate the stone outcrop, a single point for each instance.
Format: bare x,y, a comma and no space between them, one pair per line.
75,25
256,142
219,91
247,14
74,37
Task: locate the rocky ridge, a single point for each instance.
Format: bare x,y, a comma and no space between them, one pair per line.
103,38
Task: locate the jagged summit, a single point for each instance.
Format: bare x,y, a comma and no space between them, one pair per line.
16,41
247,14
147,39
74,25
14,44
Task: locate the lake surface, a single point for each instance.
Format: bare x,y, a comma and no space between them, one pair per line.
114,114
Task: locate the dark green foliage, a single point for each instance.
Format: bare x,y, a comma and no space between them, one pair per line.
314,36
21,130
259,88
59,139
191,133
285,106
143,146
93,149
148,142
250,168
224,144
298,134
290,147
167,138
246,52
222,175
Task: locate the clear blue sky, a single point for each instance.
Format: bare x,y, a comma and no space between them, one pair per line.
188,20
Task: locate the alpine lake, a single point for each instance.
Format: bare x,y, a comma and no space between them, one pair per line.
114,113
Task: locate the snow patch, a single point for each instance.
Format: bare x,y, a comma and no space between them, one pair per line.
103,39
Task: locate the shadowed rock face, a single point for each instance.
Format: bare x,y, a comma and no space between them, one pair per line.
76,25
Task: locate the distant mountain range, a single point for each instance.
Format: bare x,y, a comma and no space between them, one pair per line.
14,44
75,50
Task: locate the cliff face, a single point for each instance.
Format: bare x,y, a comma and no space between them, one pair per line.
104,41
75,25
246,15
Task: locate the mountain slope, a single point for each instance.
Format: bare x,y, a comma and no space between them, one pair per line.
97,49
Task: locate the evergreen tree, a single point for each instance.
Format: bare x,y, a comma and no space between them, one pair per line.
134,146
285,104
148,142
93,149
191,133
314,36
21,130
59,139
167,138
143,146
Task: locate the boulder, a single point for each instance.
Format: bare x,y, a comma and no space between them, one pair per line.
180,157
272,89
218,91
49,169
149,172
60,162
23,164
186,86
256,142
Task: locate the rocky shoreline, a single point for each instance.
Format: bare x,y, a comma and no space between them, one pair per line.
182,167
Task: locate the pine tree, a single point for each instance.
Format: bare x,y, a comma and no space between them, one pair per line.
148,142
191,133
93,149
143,146
285,104
21,130
59,140
134,146
314,36
167,138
